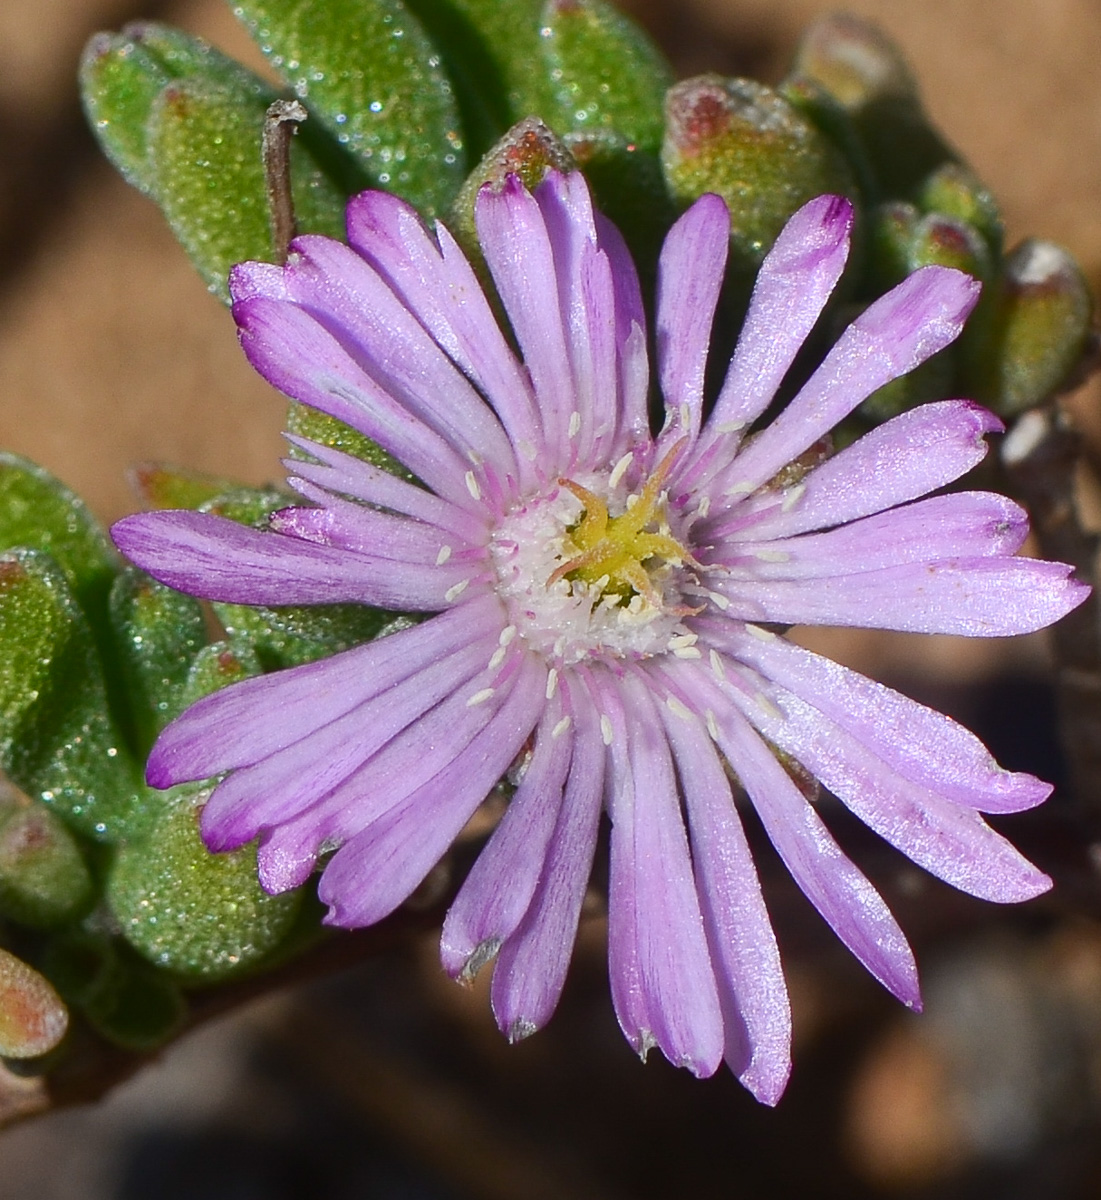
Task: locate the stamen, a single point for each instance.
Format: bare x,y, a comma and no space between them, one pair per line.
792,497
712,725
479,697
552,682
455,591
687,652
606,731
719,600
762,635
620,469
507,634
497,658
561,727
677,709
472,485
729,426
740,489
574,427
717,664
443,556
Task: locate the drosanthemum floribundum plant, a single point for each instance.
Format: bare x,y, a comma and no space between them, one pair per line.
603,600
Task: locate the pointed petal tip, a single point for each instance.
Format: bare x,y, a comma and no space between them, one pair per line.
519,1030
767,1082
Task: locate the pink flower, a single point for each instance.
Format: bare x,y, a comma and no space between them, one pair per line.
602,600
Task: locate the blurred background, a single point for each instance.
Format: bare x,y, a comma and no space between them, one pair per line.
389,1081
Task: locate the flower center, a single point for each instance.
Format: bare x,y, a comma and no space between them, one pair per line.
579,581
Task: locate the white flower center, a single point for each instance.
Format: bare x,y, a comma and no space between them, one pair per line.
588,570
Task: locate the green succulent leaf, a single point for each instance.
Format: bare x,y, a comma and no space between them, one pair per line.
58,742
33,1018
201,916
370,74
184,123
204,143
159,632
606,73
40,513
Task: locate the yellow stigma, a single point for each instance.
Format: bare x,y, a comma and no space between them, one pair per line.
612,550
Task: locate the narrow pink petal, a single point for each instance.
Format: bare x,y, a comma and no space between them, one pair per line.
344,294
918,743
756,1012
796,280
847,901
304,361
922,315
339,472
377,869
247,722
960,525
290,780
951,841
977,597
663,983
349,525
218,559
438,285
522,259
690,275
499,887
904,458
531,967
630,337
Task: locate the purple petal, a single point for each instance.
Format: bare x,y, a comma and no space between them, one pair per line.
630,336
952,842
218,559
852,908
437,284
960,525
347,298
290,780
339,472
904,458
977,597
525,265
296,355
796,279
690,274
756,1012
245,723
348,525
532,964
922,315
377,869
663,983
497,891
918,743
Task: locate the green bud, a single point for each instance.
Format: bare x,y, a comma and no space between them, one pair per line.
949,242
956,191
867,74
159,631
58,741
747,143
44,880
528,150
33,1019
160,486
369,73
605,73
201,916
1035,330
